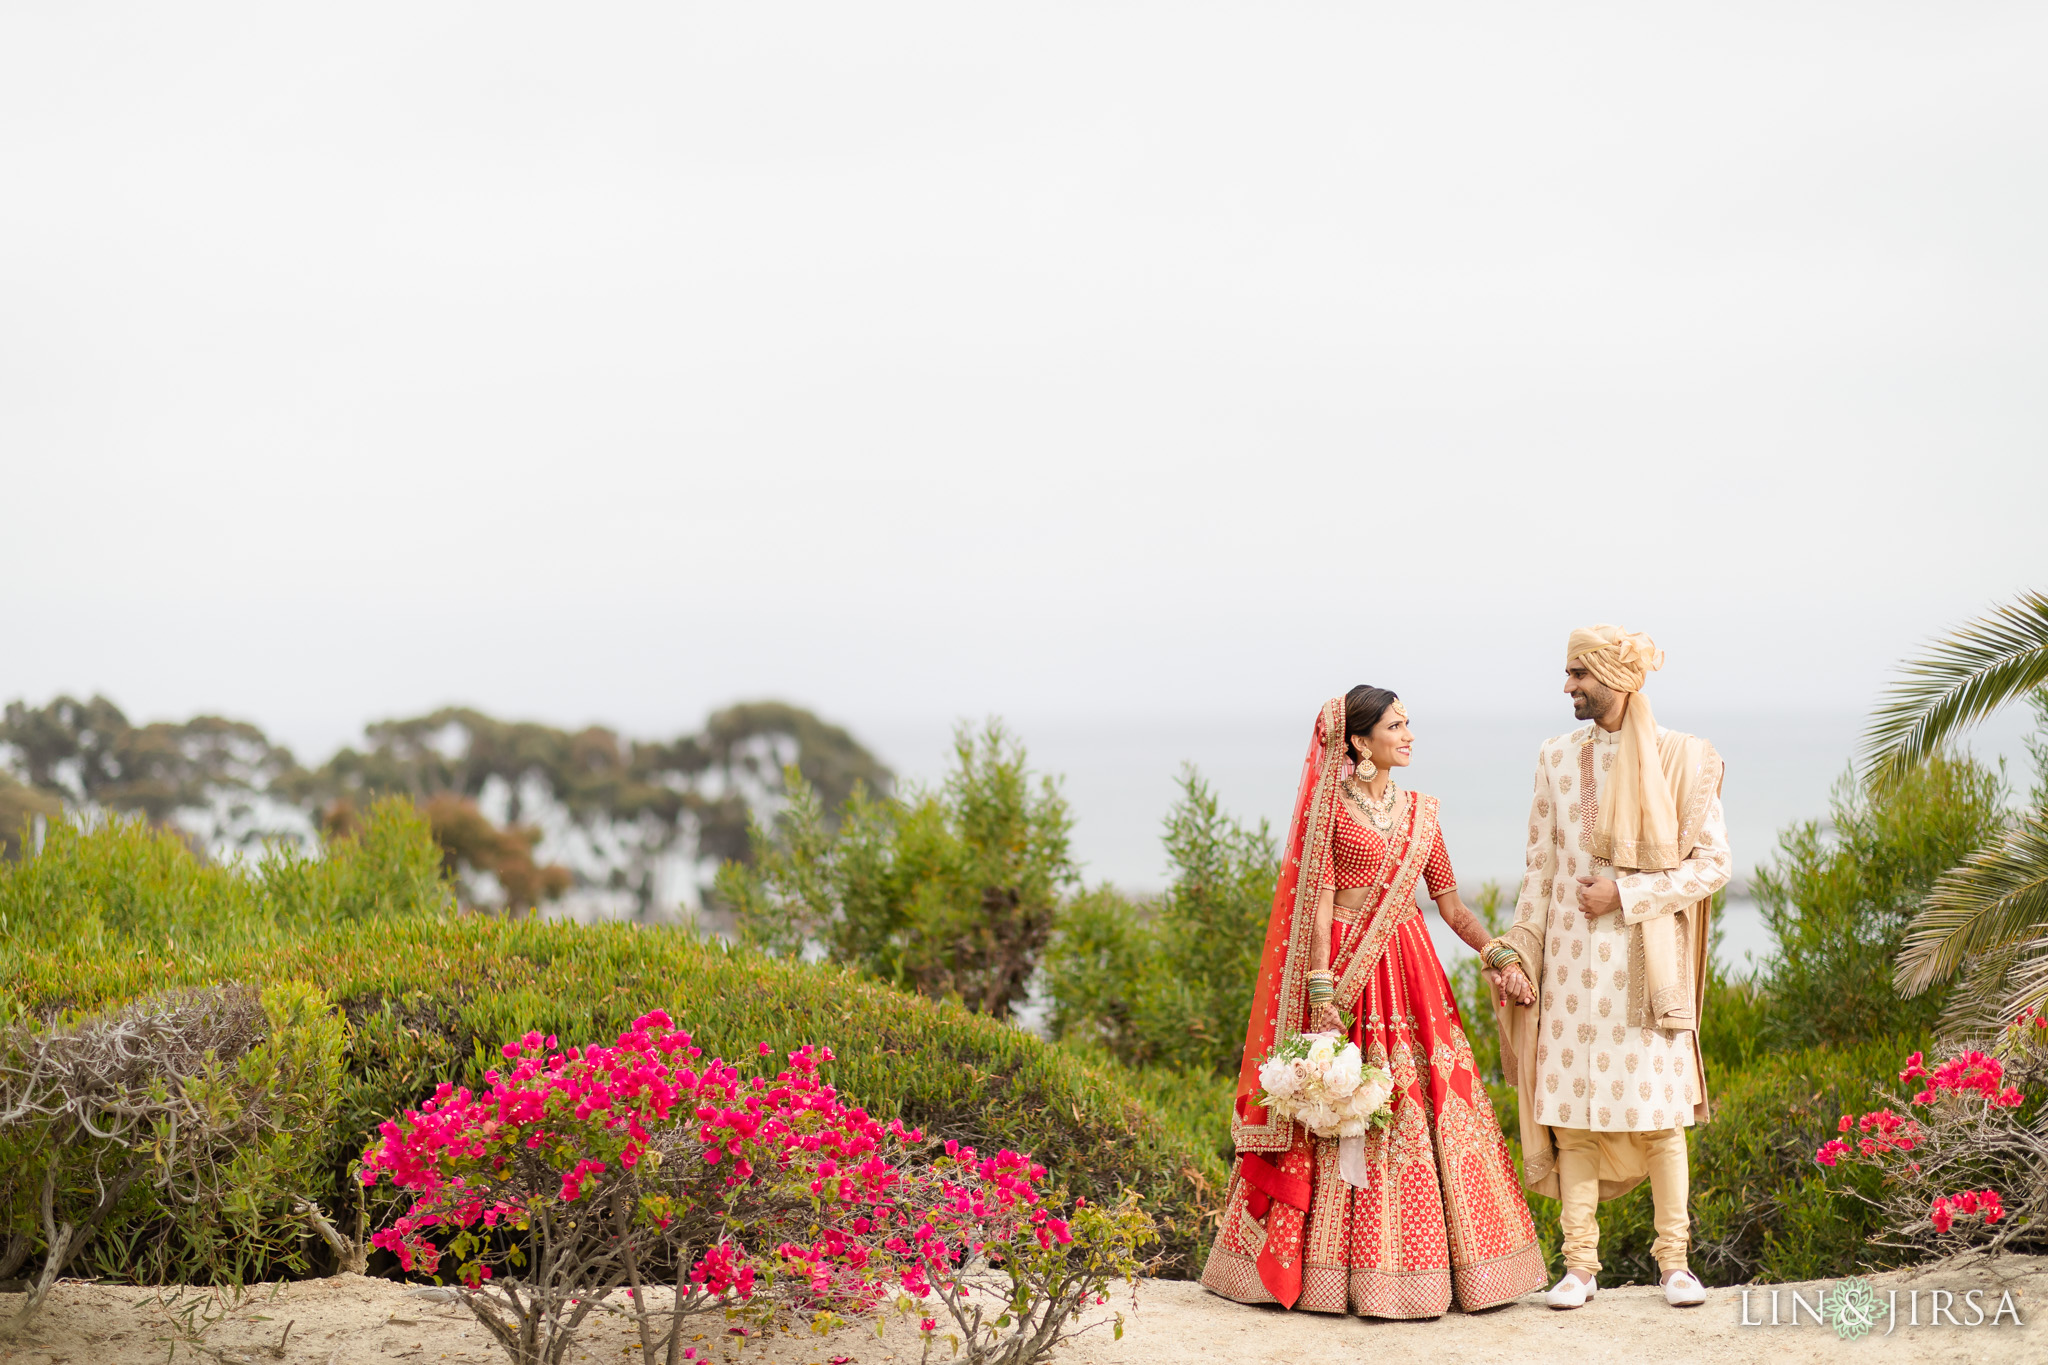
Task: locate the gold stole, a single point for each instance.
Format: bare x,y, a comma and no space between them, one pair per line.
1668,966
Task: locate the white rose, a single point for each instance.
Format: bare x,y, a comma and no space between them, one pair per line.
1352,1127
1322,1051
1344,1073
1370,1096
1278,1078
1319,1118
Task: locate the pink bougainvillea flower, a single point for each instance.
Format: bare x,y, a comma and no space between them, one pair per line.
1966,1203
882,1213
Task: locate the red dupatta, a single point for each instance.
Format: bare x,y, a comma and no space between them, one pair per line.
1280,997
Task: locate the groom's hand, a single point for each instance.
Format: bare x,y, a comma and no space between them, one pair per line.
1598,896
1508,985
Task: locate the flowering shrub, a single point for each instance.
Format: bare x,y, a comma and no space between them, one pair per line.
1944,1155
1011,1279
580,1172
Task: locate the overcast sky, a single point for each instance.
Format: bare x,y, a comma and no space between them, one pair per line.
1100,361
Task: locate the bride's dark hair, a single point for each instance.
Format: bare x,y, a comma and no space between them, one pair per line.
1363,708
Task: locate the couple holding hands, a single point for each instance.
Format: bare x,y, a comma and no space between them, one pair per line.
1597,989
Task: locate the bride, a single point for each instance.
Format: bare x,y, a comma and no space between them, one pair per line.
1441,1212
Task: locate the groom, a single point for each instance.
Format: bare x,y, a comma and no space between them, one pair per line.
1626,850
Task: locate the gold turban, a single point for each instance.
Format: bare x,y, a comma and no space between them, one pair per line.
1637,826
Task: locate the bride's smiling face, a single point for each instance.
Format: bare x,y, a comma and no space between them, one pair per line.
1390,743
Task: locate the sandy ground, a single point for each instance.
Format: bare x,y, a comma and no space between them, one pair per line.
351,1320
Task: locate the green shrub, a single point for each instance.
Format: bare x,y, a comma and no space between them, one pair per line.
168,1133
120,881
428,997
1169,983
1839,897
951,893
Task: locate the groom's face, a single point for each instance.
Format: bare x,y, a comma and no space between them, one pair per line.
1591,698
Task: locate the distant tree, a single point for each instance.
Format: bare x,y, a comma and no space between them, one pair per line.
623,808
19,807
748,748
471,844
634,803
88,754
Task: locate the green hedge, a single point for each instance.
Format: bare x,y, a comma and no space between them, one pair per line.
119,912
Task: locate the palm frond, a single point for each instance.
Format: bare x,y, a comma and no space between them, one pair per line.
2027,986
1961,679
1975,1010
1996,898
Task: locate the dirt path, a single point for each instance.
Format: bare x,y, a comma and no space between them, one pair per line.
350,1320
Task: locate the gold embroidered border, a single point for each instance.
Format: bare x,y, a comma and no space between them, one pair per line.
1706,785
1638,1007
1290,1006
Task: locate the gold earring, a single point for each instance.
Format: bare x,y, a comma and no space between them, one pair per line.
1364,771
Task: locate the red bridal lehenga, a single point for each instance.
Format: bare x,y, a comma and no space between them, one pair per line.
1442,1214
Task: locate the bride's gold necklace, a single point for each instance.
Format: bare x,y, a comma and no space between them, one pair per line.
1379,814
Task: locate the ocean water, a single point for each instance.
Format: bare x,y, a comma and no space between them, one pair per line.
1120,778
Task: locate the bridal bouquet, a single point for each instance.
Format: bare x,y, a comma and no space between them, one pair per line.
1326,1086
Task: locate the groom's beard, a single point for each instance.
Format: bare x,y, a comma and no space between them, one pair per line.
1592,703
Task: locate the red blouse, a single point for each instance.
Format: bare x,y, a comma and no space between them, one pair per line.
1357,852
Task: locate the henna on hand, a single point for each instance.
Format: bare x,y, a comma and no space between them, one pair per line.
1517,983
1510,984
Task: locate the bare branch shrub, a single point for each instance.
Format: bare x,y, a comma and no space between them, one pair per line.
210,1099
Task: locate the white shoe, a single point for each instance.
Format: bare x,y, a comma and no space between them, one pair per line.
1571,1292
1684,1289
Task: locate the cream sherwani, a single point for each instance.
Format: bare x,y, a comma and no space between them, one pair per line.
1594,1071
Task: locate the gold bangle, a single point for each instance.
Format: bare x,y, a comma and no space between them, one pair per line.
1322,988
